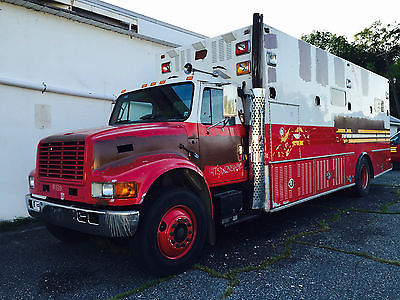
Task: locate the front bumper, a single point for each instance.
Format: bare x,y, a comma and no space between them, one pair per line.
92,221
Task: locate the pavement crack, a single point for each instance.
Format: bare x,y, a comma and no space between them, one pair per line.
356,253
141,288
232,275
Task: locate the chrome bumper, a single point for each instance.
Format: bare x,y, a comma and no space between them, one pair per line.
92,221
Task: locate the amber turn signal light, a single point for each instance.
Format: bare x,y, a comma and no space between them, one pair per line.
243,68
125,190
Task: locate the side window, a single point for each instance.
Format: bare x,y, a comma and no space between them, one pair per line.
217,113
205,115
212,106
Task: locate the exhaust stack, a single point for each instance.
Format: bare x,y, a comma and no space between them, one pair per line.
258,115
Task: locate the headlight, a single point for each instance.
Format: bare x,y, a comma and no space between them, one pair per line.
31,181
114,190
108,190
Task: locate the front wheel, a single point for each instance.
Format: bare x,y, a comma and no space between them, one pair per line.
362,178
172,233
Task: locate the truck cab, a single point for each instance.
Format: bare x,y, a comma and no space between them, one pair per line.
170,148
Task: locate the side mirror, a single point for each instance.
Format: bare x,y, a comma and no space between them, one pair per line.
230,100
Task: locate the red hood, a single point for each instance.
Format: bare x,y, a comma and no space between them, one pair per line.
107,132
118,145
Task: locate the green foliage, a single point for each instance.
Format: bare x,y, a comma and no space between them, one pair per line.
378,38
376,48
335,44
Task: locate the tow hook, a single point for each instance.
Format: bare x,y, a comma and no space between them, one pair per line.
82,217
85,217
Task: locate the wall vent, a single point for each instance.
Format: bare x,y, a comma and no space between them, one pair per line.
228,51
214,51
221,48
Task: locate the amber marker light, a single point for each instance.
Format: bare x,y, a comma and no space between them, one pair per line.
125,190
243,68
189,78
144,85
153,83
162,81
123,91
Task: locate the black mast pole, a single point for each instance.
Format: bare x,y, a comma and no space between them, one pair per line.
257,52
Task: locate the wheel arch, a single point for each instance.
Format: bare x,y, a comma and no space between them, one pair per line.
192,180
368,158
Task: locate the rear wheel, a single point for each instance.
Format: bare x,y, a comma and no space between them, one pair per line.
64,234
172,233
362,178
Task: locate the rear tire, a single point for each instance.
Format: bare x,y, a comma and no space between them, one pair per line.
64,234
362,178
172,233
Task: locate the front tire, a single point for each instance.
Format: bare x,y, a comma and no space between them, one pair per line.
172,233
362,178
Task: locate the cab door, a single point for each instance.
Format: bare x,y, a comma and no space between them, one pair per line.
221,140
395,149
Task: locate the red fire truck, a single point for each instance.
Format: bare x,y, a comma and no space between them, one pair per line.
395,150
237,126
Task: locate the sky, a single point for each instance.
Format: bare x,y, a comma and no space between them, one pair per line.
215,17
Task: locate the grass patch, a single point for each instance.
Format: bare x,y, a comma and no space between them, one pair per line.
16,223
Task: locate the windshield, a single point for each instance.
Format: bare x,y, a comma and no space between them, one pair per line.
163,103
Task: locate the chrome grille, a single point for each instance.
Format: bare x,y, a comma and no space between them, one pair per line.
64,160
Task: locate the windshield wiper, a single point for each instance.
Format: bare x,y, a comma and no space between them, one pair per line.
149,117
122,122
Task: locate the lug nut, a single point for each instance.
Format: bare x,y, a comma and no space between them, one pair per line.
189,224
190,232
172,242
185,220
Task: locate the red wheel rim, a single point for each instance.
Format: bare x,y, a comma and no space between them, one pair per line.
176,232
364,177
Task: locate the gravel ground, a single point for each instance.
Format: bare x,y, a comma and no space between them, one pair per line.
333,247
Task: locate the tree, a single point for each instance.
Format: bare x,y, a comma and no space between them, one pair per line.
376,48
335,44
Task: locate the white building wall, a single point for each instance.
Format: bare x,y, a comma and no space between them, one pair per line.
39,48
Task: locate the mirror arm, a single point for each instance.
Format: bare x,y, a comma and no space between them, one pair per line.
219,122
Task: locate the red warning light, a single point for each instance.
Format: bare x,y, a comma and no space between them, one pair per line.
166,67
243,48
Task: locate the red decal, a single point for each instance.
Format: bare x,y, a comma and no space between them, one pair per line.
224,173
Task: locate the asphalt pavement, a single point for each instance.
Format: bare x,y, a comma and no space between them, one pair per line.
334,247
